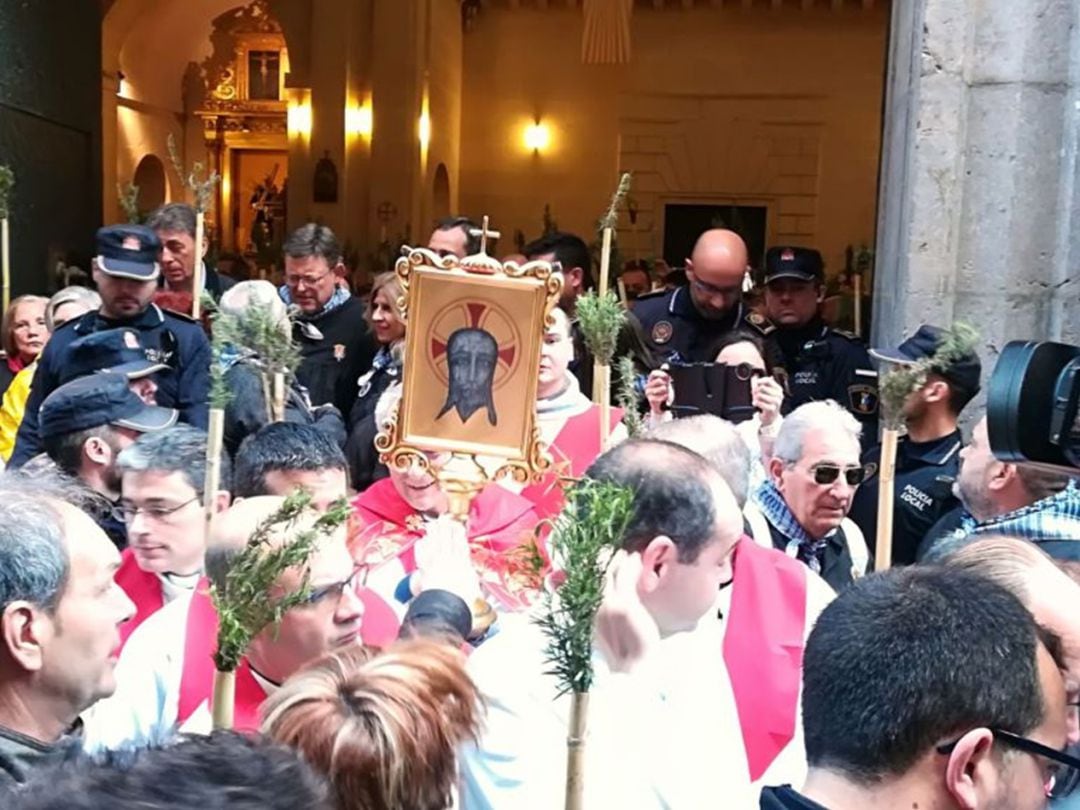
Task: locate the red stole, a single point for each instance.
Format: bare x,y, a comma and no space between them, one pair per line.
763,648
142,587
574,449
197,678
501,523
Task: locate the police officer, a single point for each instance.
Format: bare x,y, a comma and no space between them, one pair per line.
126,271
683,324
818,362
928,457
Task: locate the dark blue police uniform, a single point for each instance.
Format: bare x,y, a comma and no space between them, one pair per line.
925,472
674,330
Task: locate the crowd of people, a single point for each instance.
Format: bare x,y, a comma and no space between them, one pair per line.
744,654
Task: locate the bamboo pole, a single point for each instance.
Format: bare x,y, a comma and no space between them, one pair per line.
605,261
214,448
224,699
197,277
602,371
5,259
277,406
886,494
858,304
575,751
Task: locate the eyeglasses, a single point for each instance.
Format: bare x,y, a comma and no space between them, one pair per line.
825,474
1063,770
305,281
357,579
712,289
127,511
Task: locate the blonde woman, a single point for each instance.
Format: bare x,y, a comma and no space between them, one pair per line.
383,727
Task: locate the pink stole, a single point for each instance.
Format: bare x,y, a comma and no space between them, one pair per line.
763,649
574,449
142,587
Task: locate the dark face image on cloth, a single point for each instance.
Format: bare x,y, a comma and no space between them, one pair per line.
471,356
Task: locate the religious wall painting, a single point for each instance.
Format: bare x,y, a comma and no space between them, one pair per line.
325,183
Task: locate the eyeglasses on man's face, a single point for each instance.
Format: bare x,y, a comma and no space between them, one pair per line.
333,592
127,511
1061,771
292,280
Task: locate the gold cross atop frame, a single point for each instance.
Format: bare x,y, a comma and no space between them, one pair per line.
484,232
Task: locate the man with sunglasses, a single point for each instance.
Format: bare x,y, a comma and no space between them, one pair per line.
683,324
166,673
818,362
162,488
802,508
928,457
930,687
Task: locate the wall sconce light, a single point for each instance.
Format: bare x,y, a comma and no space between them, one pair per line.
359,121
537,137
423,129
298,117
121,89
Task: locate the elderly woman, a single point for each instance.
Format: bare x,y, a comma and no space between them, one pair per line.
383,727
25,335
388,326
248,409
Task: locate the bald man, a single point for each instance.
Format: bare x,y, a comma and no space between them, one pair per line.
166,672
683,324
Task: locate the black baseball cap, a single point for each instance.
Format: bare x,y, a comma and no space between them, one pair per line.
804,264
118,350
965,372
96,400
129,251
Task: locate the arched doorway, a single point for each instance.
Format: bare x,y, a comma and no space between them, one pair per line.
441,193
150,180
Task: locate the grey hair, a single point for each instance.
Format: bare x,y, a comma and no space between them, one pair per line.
1041,482
70,295
256,293
178,449
174,218
812,416
34,559
717,440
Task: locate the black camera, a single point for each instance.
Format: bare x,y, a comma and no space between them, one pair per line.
715,388
1031,409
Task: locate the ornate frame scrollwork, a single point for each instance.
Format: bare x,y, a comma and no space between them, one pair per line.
462,468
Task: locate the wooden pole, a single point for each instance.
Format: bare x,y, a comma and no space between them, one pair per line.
575,751
886,493
197,277
858,304
224,699
214,448
5,259
605,261
601,371
277,407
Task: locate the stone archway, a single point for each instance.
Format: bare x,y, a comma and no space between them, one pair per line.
152,183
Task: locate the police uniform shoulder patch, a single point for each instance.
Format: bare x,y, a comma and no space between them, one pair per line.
846,334
760,323
662,332
863,399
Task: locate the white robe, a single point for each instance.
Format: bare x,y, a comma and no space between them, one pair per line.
664,736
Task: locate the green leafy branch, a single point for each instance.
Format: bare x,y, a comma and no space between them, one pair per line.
7,183
202,187
243,602
129,201
628,397
610,219
902,380
586,536
601,319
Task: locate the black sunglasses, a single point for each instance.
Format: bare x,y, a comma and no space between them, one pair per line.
1065,770
828,473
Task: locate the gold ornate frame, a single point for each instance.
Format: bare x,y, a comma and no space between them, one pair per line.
529,290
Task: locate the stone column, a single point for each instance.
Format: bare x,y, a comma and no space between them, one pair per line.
978,199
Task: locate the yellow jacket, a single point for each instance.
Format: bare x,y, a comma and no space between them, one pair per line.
13,408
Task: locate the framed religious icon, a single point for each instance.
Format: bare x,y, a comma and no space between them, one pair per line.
472,359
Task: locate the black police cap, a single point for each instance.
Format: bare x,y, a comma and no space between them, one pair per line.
97,400
803,264
129,251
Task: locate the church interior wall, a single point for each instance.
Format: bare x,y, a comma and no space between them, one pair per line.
716,105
